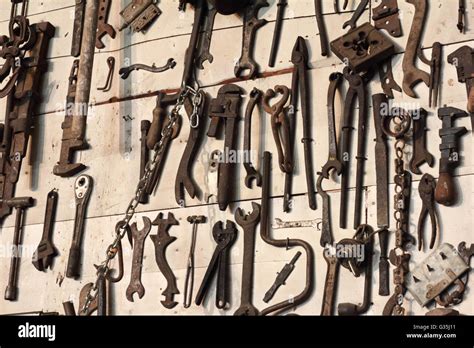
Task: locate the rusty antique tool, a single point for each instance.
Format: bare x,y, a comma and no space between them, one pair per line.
205,44
323,35
228,7
420,152
411,74
387,80
162,240
277,31
249,223
103,28
226,109
352,23
280,126
363,237
110,75
144,155
75,122
330,284
281,277
396,124
225,238
139,237
79,13
356,90
446,192
46,252
386,16
380,103
189,280
139,14
82,192
184,177
23,54
463,60
251,172
426,188
265,230
251,25
300,87
125,71
435,71
20,204
333,162
461,15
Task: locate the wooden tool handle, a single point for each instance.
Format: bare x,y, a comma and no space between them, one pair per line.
445,192
154,134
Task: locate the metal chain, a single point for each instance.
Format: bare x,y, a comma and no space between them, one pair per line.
399,271
121,227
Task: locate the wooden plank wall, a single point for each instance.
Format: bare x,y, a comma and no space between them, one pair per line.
113,161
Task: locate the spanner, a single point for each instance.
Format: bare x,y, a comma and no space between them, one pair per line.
352,23
411,74
139,238
330,285
82,189
420,153
251,25
103,28
205,54
252,173
249,224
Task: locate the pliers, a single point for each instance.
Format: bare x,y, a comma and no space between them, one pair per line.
426,189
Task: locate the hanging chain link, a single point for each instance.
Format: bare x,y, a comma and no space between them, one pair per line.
402,123
123,224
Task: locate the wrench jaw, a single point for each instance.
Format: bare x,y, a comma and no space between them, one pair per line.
135,288
247,310
243,219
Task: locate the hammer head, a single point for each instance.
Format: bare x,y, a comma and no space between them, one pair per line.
197,219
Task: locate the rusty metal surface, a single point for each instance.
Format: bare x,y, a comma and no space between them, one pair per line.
387,16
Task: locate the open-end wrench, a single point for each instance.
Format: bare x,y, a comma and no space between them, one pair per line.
251,25
352,23
252,173
249,224
205,45
411,74
46,251
139,237
82,189
330,285
103,28
333,162
420,152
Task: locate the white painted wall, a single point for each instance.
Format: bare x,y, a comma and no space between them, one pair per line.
114,157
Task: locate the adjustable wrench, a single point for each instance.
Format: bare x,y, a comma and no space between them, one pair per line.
139,238
46,251
82,189
251,25
249,224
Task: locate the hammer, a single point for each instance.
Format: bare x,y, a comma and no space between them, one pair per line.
20,204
